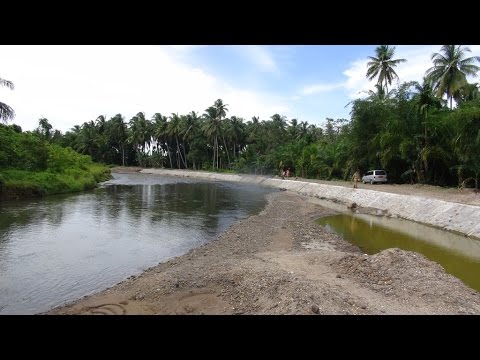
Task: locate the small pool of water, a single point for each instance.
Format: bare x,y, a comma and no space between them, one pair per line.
459,255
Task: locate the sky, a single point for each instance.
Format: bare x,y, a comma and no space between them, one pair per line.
73,84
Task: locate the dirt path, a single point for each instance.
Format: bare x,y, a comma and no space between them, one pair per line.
282,262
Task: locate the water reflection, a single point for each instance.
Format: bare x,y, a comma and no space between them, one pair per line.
63,247
459,255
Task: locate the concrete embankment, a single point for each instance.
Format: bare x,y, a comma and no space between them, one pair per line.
461,218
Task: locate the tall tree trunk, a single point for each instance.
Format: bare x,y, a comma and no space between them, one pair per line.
226,149
185,153
216,146
179,152
169,155
213,161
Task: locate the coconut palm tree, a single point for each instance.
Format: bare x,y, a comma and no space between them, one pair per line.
6,112
174,129
140,136
379,95
425,98
450,68
222,113
382,66
160,135
212,130
44,128
191,130
468,92
236,132
117,134
221,108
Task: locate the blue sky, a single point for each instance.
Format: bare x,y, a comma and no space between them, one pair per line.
72,84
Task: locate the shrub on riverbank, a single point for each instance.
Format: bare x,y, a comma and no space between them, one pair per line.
30,166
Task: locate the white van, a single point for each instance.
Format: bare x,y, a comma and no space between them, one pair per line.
375,176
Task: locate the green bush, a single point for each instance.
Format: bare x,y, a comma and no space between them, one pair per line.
32,166
60,159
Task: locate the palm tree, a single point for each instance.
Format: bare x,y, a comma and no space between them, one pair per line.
44,128
190,131
236,133
160,134
221,108
174,128
212,129
140,136
254,129
303,129
425,98
382,66
468,92
379,95
6,112
117,134
87,140
450,68
222,113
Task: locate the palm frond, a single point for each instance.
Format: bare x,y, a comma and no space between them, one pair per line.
6,83
6,112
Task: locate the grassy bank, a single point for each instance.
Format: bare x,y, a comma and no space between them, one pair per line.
21,183
32,166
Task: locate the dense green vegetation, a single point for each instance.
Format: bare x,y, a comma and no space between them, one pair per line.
30,165
407,129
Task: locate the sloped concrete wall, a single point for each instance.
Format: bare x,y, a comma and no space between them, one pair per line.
461,218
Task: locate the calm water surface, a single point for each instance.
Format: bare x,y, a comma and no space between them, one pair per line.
60,248
459,255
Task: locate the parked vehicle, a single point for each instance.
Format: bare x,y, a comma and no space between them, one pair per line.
375,176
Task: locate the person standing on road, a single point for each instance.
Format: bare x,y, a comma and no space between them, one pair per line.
356,178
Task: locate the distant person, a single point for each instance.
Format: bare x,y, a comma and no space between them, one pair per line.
356,179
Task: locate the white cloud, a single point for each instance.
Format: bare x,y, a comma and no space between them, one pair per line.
251,103
318,88
72,84
259,56
187,47
357,83
418,62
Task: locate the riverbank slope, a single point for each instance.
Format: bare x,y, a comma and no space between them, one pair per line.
282,262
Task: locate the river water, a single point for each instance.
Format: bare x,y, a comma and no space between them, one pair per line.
59,248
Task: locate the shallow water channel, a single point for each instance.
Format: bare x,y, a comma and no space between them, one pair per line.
59,248
459,255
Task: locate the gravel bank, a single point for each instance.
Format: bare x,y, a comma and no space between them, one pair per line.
282,262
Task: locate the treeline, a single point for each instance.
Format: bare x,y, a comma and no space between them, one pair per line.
393,131
409,130
32,166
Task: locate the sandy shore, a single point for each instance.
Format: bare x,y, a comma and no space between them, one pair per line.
282,262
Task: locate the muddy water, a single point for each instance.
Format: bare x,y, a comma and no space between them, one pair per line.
60,248
459,255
